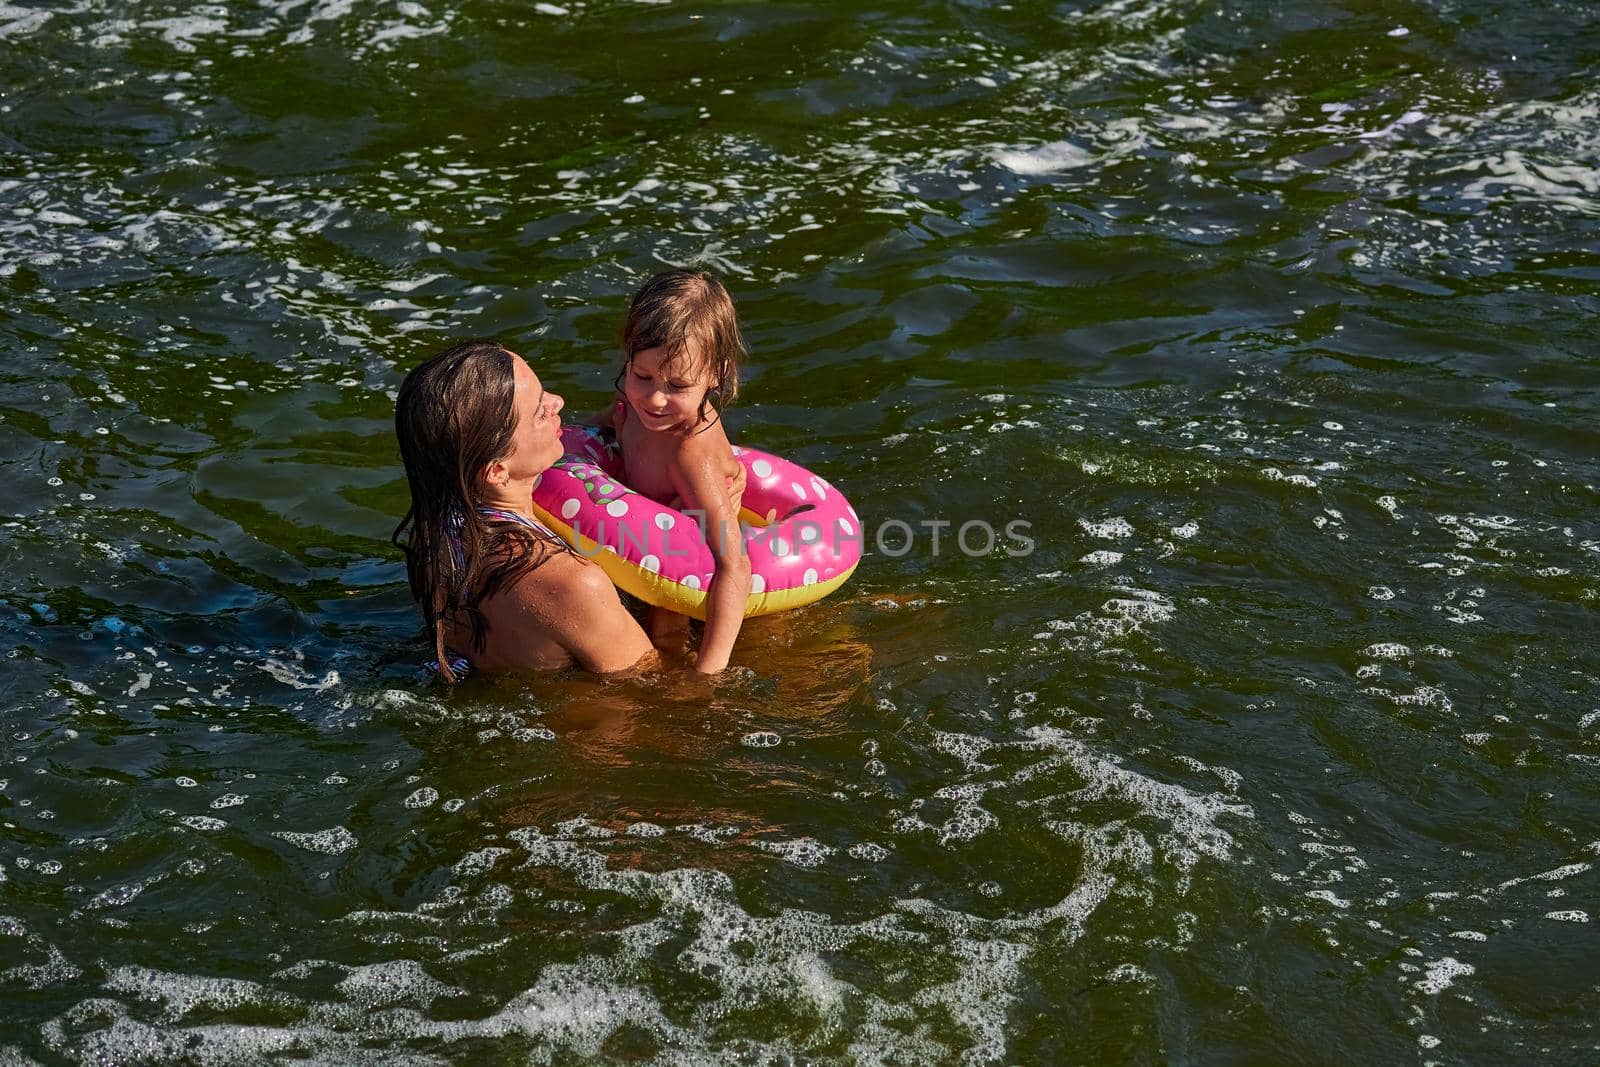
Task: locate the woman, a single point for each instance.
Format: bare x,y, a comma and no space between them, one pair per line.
476,429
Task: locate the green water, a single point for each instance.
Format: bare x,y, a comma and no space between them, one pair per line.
1275,321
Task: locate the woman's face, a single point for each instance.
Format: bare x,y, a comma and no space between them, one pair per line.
536,441
665,400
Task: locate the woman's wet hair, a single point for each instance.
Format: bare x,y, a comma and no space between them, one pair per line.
454,417
689,315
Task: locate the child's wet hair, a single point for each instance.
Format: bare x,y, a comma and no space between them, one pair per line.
688,313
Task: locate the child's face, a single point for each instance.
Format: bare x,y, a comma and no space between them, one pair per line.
666,399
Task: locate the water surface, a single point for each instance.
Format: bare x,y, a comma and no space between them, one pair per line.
1276,323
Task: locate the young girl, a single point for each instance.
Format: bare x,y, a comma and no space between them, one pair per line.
683,346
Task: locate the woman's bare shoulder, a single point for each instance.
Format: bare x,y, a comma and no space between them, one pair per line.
561,584
570,603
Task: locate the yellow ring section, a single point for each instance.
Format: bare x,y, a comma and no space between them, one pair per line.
665,593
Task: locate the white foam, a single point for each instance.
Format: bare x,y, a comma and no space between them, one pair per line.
1328,896
1556,874
179,994
1424,696
1191,817
802,852
118,895
127,1041
964,747
1273,474
383,985
870,851
1441,974
761,739
298,677
425,797
1115,527
480,861
1139,610
332,841
575,1007
1049,158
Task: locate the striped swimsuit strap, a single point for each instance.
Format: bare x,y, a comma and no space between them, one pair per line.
512,516
458,662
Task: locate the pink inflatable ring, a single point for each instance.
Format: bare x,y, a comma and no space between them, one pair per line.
803,537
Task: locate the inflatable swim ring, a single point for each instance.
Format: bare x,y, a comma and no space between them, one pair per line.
803,537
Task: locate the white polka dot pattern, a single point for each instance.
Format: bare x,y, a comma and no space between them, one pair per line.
811,539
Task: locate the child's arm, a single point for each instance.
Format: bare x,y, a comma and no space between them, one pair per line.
701,484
